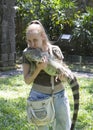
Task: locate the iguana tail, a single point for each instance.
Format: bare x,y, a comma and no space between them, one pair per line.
75,89
62,68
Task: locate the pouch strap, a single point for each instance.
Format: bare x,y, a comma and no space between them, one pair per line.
52,83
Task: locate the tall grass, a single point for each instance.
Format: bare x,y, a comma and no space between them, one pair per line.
13,95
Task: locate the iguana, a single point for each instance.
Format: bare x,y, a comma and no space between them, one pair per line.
57,68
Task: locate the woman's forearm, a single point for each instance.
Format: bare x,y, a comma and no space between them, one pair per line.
29,78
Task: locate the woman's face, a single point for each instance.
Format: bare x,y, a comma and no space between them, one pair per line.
35,40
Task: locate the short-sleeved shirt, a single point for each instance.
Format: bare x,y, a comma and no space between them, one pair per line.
43,78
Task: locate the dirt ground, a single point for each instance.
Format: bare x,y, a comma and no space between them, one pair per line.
18,71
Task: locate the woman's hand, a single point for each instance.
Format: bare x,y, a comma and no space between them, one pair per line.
61,77
42,65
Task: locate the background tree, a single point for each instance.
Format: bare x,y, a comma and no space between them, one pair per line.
58,17
7,34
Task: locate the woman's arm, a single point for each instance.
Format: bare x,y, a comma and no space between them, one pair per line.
29,78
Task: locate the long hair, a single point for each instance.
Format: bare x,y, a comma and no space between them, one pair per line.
42,30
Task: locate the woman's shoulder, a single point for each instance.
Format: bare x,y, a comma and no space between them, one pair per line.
57,51
55,47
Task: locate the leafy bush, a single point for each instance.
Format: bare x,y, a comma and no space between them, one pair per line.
58,17
83,33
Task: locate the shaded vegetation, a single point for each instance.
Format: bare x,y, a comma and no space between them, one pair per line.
58,17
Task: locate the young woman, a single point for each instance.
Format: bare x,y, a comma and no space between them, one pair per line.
34,73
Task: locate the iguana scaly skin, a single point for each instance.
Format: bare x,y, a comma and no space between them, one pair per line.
57,68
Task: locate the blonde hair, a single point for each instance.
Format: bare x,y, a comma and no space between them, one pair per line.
35,26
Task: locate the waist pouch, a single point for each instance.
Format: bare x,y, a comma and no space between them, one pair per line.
41,112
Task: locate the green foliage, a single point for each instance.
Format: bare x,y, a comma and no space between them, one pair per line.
58,17
55,15
13,95
83,32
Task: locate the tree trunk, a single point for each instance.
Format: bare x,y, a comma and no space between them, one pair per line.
7,34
